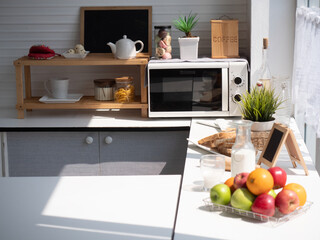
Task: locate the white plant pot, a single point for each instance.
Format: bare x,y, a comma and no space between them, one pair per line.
262,126
189,48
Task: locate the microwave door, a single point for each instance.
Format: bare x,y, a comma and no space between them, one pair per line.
171,90
210,91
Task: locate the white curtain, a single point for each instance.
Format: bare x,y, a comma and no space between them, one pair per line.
306,71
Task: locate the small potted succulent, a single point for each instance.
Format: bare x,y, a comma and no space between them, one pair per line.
259,106
188,44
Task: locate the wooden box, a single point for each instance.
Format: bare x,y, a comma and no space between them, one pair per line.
224,38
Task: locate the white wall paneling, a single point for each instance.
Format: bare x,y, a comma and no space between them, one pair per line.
259,30
57,24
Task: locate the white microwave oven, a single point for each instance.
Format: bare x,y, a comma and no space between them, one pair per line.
196,89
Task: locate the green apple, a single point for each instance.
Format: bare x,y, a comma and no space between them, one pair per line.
272,193
242,198
220,194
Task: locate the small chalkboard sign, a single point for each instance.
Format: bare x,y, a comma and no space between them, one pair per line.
279,135
100,25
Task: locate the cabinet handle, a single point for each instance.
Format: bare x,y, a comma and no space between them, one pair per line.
108,140
89,140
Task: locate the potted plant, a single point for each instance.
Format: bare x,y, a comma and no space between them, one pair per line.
259,106
188,44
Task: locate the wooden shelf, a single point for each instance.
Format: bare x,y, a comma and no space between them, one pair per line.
86,102
92,59
27,101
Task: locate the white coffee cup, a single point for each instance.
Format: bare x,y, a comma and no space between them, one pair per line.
58,87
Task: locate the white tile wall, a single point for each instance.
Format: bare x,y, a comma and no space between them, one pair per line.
57,23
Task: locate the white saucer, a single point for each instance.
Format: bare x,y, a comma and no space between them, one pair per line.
72,98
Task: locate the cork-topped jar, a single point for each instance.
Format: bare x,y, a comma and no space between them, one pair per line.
124,91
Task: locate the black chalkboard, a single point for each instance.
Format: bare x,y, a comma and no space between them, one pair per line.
278,136
274,144
100,25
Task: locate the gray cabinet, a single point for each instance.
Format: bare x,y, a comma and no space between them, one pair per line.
121,152
53,153
143,152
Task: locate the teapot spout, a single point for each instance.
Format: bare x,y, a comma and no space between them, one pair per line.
112,46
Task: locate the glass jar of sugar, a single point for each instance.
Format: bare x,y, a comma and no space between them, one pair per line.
243,154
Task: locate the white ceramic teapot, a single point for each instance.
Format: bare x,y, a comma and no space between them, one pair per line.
125,48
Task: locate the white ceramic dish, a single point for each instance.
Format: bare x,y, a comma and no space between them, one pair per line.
74,55
72,98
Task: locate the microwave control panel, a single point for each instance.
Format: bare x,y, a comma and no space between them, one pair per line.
238,85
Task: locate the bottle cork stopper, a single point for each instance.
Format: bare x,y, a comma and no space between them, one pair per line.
265,43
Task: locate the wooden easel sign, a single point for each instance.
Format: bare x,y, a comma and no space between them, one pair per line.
279,135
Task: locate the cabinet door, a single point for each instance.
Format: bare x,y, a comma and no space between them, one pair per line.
53,153
143,152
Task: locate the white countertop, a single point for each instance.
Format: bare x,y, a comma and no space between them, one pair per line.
194,221
126,118
139,218
104,207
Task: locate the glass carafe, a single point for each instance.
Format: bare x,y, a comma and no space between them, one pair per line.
243,154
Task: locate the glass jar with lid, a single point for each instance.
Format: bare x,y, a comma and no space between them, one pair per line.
124,91
162,42
103,89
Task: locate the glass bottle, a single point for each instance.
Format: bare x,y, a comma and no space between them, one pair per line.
243,154
264,73
282,89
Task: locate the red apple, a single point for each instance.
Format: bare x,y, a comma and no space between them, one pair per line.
240,180
264,204
287,201
279,177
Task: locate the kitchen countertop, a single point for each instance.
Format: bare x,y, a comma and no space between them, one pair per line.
104,207
194,221
127,118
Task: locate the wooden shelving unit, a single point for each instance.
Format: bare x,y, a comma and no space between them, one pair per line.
28,102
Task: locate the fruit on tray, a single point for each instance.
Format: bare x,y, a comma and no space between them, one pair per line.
240,180
264,204
257,192
287,201
260,181
229,183
279,177
299,190
220,194
242,198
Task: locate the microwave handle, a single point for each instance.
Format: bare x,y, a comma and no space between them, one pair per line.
225,91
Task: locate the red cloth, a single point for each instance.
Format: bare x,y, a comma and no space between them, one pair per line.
41,52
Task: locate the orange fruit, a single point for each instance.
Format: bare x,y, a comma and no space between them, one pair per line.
229,183
260,181
300,191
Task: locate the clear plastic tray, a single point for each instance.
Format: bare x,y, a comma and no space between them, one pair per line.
276,220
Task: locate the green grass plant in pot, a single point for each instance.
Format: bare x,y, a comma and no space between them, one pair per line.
188,44
259,106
